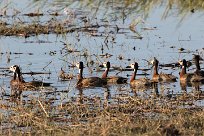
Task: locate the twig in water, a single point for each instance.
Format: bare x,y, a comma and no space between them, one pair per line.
43,108
47,65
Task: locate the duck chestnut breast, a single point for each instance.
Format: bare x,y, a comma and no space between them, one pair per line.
112,79
90,81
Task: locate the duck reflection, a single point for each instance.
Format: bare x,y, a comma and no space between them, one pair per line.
80,97
107,97
195,85
155,89
15,95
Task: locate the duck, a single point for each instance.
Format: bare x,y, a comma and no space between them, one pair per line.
162,77
18,82
198,69
89,81
188,77
112,79
139,83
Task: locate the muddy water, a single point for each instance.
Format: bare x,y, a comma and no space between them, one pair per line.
162,38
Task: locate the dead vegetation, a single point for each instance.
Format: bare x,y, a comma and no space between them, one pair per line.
95,116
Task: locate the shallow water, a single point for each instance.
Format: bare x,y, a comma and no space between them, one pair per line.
46,53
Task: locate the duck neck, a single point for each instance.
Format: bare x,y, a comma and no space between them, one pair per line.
14,76
80,76
183,71
197,64
20,78
133,75
17,75
155,70
105,73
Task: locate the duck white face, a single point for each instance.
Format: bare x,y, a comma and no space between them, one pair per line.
106,64
152,61
80,65
77,64
180,62
13,68
132,65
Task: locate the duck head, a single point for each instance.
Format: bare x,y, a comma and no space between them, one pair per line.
134,66
16,70
106,64
80,66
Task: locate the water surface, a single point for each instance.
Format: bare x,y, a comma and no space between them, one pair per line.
163,35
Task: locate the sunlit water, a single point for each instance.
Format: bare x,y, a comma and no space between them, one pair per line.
163,41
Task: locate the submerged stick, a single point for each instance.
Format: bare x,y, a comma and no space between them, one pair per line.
47,65
36,73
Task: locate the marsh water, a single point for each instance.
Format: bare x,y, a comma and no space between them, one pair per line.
126,32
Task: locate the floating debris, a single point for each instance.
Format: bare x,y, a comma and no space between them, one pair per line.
33,14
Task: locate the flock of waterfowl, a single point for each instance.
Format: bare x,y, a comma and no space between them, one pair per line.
18,82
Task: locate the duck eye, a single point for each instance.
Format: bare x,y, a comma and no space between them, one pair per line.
14,67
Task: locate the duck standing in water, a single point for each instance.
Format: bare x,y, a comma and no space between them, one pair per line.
139,83
90,81
188,77
18,83
112,79
198,71
162,76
